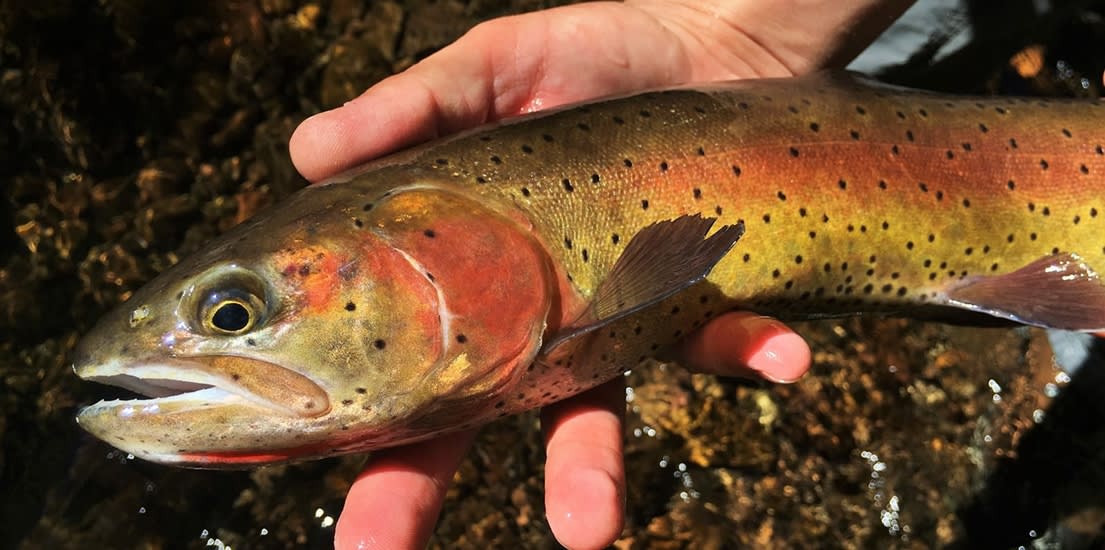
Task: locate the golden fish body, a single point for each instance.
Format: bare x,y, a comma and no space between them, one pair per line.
517,264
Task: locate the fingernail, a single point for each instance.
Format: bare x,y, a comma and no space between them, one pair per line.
781,355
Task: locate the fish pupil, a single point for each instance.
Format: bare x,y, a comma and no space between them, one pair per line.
231,317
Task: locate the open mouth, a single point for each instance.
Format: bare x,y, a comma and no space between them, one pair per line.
206,382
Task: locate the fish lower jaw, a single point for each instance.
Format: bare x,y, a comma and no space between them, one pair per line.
205,397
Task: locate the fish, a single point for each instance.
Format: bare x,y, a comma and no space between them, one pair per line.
522,262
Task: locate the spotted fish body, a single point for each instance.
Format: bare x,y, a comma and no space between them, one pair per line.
517,264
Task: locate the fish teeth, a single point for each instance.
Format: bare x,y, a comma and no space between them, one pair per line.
177,385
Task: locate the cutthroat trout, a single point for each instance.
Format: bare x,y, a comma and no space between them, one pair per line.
520,263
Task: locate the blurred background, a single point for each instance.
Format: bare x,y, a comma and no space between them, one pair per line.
132,131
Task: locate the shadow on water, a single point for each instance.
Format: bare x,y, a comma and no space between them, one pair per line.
1055,474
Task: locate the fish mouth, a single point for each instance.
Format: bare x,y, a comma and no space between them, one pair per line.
194,384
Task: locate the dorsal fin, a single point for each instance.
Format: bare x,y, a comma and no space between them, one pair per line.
661,260
1057,291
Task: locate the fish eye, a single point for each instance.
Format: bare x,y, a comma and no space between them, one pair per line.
231,317
228,301
231,312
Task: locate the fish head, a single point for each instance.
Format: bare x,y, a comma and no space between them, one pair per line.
327,327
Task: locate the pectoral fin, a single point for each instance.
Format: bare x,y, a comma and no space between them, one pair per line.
661,260
1058,291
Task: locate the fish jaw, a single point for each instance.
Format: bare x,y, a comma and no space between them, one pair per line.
203,412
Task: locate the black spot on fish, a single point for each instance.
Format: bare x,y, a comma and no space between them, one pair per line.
249,342
923,113
347,402
900,114
939,195
909,135
594,178
815,126
547,138
496,160
568,185
982,128
854,134
567,243
628,163
585,255
644,113
894,149
842,184
697,193
1046,211
736,170
701,152
644,204
1043,164
380,344
618,119
361,391
461,338
664,166
1012,185
966,203
584,126
861,110
442,162
350,306
1012,143
304,270
615,238
923,187
1000,110
429,233
767,218
1084,169
949,154
525,191
882,185
794,151
527,149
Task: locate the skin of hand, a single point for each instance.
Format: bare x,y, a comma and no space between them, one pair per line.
539,60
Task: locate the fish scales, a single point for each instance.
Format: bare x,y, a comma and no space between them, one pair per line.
459,281
855,198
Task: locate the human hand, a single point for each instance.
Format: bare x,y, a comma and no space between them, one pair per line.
535,61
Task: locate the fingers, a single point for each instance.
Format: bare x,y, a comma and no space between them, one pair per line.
500,68
396,500
584,474
750,345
